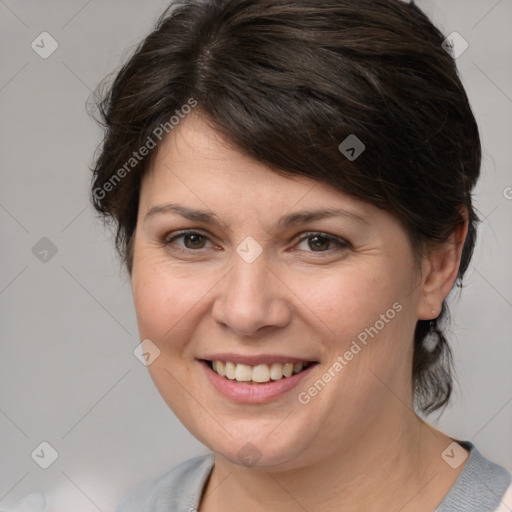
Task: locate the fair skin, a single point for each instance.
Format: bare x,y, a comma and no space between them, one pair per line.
357,444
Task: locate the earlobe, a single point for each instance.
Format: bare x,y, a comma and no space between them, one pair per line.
440,270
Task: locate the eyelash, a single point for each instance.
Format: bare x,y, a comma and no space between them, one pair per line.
342,244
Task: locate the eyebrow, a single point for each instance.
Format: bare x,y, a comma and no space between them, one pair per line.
189,213
291,219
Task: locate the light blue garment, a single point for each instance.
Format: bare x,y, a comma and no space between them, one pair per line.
33,502
480,487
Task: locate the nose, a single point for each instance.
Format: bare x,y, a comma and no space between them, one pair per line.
252,299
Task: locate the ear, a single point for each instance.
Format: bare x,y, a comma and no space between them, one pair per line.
439,271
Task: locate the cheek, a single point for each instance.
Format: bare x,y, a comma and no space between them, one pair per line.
163,297
168,298
347,300
364,316
165,302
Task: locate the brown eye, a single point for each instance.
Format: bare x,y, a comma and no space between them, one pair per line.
192,240
320,242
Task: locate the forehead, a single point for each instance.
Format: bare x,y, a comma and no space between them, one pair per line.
197,169
194,159
197,175
196,148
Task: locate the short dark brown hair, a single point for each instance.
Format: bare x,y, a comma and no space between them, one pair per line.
285,82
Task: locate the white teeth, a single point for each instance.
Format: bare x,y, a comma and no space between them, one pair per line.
288,369
243,373
220,368
276,371
259,373
230,370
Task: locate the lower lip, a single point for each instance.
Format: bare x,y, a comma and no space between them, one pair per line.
245,393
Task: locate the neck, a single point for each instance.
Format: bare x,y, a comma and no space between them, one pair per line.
388,467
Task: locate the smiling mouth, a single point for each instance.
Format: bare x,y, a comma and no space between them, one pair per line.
258,374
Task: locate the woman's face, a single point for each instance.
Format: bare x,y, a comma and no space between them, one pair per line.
252,280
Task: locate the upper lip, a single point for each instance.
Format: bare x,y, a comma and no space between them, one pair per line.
256,359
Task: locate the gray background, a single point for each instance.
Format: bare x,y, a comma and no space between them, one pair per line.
69,376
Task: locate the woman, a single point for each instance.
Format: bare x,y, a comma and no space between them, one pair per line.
291,183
